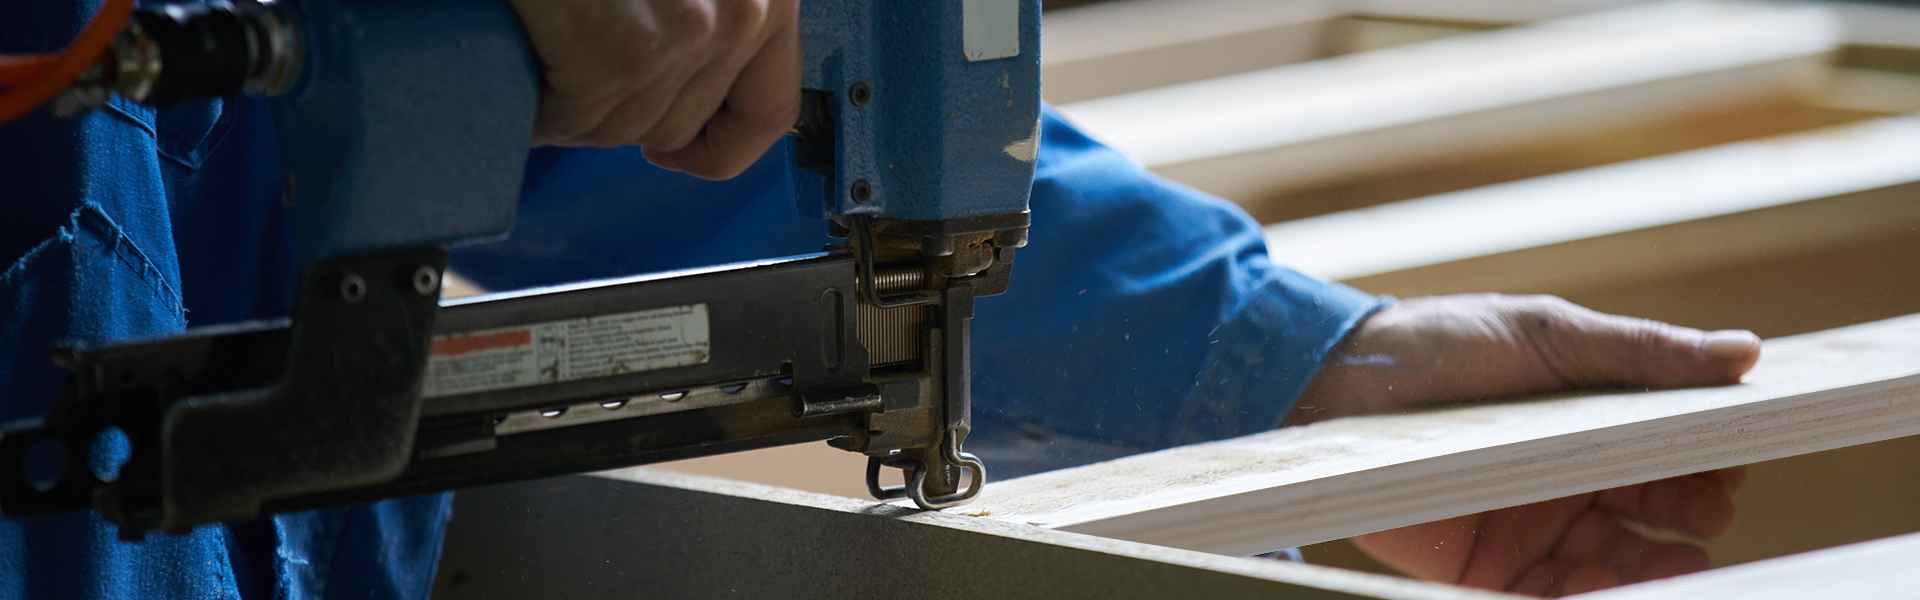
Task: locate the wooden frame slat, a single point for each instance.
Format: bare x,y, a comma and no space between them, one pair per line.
1125,46
1118,47
653,533
1878,24
1881,568
1651,217
1347,477
1248,136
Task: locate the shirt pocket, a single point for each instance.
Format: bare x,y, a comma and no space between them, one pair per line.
183,135
188,133
88,282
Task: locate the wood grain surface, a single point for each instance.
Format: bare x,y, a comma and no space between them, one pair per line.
1593,228
1347,477
1253,134
1124,46
1878,569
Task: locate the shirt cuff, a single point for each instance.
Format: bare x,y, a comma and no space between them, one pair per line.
1265,356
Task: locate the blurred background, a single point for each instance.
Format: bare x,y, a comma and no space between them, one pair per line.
1719,164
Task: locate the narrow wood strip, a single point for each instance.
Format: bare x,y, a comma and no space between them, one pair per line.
1878,569
1875,24
1666,214
1125,46
657,534
1489,11
1254,134
1347,477
1117,47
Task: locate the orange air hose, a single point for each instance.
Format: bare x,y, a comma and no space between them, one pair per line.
16,69
45,80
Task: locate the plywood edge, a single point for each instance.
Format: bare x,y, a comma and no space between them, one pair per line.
1489,11
1347,477
1126,27
1878,24
1342,582
1328,119
1877,569
1125,46
1105,30
1689,192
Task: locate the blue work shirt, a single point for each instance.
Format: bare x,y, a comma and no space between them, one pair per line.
1143,315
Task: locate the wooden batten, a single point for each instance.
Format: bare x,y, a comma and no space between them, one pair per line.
1252,135
1600,227
1346,477
1877,569
1129,45
1124,46
661,534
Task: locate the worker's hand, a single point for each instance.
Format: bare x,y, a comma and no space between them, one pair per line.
1482,347
1448,349
705,86
1568,545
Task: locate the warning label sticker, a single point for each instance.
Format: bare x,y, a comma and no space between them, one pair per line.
498,359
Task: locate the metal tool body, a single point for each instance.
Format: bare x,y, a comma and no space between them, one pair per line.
404,125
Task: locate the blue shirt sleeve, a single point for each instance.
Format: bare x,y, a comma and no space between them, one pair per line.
1143,315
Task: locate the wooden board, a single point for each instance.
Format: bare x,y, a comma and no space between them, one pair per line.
1130,45
1594,228
1877,569
1251,135
1879,24
657,534
1759,118
1805,502
1347,477
1356,175
1117,47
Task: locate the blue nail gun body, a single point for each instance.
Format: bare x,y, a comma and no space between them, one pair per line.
404,128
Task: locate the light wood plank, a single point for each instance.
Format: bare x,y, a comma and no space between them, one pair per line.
1248,136
1117,47
1598,227
1485,11
1879,24
1124,46
1877,569
1759,118
1347,477
652,533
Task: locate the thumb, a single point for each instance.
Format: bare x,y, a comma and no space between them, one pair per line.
1595,350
